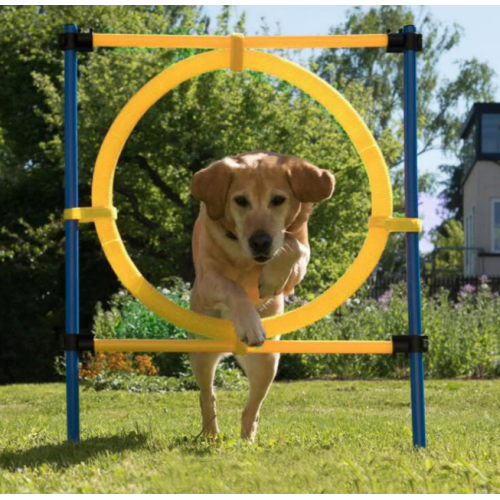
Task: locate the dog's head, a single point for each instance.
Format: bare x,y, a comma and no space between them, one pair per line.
260,196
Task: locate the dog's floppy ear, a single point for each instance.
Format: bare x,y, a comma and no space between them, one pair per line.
309,184
211,186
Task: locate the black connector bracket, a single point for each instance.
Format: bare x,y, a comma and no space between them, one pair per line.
401,42
80,342
81,42
404,344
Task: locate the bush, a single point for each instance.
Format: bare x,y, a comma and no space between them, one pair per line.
127,318
135,382
464,336
137,373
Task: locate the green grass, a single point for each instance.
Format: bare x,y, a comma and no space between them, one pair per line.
314,437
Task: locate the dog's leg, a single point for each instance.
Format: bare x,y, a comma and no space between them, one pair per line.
218,293
204,365
261,370
285,270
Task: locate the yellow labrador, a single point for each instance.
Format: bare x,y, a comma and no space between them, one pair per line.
250,249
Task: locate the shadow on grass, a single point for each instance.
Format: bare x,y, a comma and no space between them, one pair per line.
67,454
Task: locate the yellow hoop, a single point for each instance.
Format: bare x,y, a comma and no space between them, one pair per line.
346,116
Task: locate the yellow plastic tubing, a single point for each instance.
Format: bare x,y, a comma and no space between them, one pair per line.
346,116
251,42
283,346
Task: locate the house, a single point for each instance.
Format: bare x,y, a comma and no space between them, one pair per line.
481,190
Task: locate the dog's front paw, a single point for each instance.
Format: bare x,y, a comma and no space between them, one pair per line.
249,327
273,279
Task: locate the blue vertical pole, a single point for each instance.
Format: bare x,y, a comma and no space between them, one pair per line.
412,250
71,229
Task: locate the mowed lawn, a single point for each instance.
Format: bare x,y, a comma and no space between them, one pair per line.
316,436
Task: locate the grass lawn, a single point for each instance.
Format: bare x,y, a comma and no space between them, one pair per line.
314,437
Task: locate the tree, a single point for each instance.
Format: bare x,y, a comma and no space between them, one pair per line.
200,121
31,179
442,102
448,241
452,192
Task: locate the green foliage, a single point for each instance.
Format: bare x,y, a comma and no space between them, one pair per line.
314,437
227,378
448,241
126,318
452,192
32,178
202,120
442,103
464,336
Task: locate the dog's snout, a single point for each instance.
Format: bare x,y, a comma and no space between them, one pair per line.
260,243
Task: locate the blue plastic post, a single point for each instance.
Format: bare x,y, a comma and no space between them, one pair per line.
71,229
412,250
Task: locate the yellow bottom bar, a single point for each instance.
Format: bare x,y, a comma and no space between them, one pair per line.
230,346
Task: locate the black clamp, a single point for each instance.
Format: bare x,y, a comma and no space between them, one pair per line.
80,342
81,42
404,344
401,42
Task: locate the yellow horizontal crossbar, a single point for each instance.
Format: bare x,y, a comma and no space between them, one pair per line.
230,346
90,214
250,42
397,224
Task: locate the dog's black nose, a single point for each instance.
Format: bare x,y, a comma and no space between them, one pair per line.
260,243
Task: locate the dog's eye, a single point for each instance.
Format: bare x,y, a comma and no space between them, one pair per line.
241,201
277,201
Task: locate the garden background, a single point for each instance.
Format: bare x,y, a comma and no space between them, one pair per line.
203,120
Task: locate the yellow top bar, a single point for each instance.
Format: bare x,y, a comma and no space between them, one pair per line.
250,42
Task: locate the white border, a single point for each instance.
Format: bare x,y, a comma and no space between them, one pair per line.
492,224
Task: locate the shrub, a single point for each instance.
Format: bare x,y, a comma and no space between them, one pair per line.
228,378
126,318
137,373
464,336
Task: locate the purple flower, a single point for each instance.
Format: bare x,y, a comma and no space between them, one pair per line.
467,290
386,296
483,278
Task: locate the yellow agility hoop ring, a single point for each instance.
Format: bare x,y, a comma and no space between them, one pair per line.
345,115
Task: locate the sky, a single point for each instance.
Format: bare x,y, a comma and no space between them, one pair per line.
480,24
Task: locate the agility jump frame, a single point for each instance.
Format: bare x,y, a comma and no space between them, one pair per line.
232,52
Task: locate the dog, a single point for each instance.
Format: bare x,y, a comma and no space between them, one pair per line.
250,249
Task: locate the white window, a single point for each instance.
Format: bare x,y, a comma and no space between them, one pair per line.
470,243
466,244
495,225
